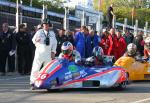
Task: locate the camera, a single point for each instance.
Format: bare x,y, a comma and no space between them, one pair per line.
47,41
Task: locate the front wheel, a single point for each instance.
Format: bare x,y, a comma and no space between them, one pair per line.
122,85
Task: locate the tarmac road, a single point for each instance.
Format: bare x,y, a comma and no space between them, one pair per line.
16,89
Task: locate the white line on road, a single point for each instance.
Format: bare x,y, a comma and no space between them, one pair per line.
14,78
142,100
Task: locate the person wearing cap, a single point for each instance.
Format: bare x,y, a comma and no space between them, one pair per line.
46,43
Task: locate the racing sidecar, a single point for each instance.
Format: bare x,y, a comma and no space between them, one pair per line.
136,69
61,73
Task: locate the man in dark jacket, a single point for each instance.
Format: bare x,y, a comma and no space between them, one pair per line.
110,15
7,50
61,37
23,50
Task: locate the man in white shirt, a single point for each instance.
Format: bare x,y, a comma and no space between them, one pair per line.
46,44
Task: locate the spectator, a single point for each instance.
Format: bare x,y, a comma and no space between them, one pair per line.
121,45
46,43
110,15
23,50
7,50
113,43
70,37
80,39
128,37
105,43
138,42
92,41
147,47
61,38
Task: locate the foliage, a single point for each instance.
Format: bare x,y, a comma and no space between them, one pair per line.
53,5
123,9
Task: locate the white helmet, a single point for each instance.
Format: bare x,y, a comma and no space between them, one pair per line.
67,48
147,42
98,52
131,49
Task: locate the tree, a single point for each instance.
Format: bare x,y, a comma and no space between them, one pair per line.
53,5
123,9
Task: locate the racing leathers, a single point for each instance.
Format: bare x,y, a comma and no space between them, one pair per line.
94,61
75,56
43,52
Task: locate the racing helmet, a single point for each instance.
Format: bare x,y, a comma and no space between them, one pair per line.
67,48
131,49
147,42
98,53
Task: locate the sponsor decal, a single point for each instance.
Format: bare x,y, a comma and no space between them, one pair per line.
72,68
83,73
76,75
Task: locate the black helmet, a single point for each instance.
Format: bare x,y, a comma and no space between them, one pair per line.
46,21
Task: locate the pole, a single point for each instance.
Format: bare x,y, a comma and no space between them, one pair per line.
83,16
125,25
145,29
66,19
17,30
133,14
31,3
44,15
17,16
114,22
136,28
21,12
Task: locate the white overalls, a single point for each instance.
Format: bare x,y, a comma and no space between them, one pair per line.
42,52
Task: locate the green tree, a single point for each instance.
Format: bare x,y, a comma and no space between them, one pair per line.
53,5
123,9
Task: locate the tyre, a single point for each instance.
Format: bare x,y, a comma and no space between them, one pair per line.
122,85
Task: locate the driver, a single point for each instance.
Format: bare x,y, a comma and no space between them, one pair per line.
131,50
97,59
147,48
69,53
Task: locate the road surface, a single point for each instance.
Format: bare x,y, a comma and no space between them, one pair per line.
16,89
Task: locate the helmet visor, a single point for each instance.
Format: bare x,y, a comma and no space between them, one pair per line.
66,52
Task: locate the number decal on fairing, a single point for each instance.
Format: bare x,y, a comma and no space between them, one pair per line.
148,70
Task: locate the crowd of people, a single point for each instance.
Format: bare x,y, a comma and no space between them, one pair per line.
36,49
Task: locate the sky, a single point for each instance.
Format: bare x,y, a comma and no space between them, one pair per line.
86,3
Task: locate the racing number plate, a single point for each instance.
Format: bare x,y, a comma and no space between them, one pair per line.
148,70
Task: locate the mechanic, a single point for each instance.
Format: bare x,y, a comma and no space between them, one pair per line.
69,53
97,58
46,43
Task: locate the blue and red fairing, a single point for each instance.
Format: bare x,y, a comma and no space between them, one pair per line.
60,73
